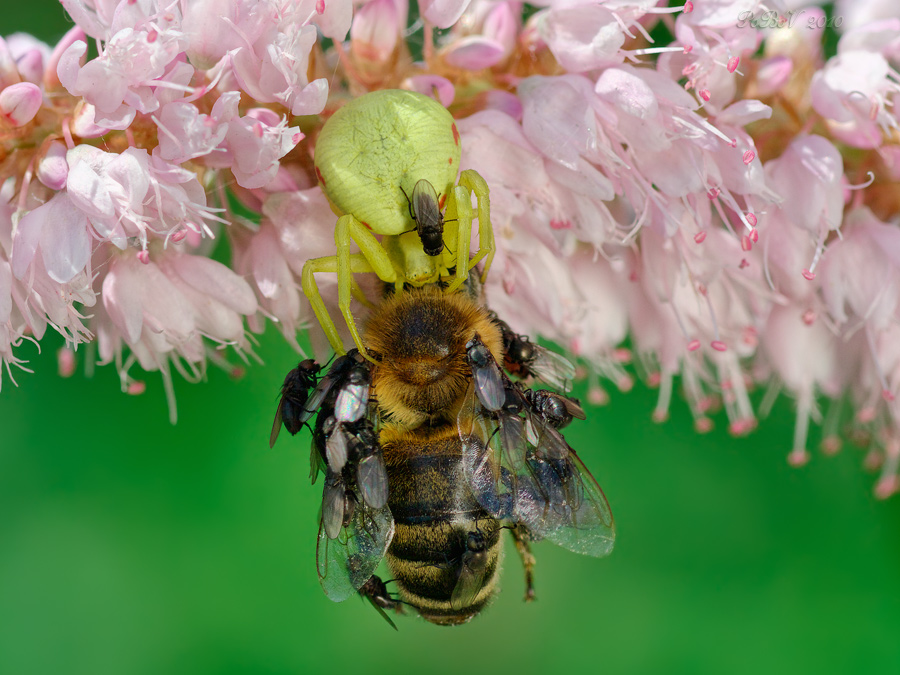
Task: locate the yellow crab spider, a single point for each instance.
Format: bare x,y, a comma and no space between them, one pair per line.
381,161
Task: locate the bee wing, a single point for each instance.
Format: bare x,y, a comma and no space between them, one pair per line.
276,426
346,562
471,580
351,403
552,368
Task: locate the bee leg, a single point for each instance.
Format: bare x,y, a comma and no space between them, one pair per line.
350,229
459,207
522,538
310,288
473,182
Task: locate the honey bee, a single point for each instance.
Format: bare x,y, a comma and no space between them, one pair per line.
445,453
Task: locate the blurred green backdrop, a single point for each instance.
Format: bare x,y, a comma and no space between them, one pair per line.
128,546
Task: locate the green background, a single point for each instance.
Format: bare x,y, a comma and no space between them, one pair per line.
128,546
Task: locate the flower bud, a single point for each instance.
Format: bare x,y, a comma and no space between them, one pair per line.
20,102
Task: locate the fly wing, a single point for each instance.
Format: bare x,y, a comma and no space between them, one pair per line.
352,401
276,426
552,368
346,562
470,582
425,203
559,500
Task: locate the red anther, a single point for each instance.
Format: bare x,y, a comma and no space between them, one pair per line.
746,243
688,7
633,276
296,138
653,379
143,256
703,425
688,49
749,156
700,237
151,36
712,193
733,64
704,94
831,445
320,6
744,264
136,388
752,220
733,143
556,224
754,233
887,486
693,345
718,345
660,416
809,276
809,317
701,289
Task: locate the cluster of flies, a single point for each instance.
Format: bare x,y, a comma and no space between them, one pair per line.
432,497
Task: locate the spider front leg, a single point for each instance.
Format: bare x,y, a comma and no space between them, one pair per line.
357,264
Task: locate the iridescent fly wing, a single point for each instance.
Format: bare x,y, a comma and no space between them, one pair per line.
346,562
559,500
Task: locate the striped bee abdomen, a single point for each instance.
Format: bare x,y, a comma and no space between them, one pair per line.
446,549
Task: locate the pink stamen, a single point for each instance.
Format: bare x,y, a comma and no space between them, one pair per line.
887,395
660,416
703,425
693,345
151,36
744,264
556,224
746,243
688,7
688,49
718,345
733,64
65,359
809,276
752,220
653,379
320,6
179,235
296,138
749,156
700,237
809,317
712,193
144,256
754,233
625,383
704,94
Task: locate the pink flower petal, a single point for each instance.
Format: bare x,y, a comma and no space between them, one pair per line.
474,52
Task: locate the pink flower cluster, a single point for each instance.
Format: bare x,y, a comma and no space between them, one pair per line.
727,202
